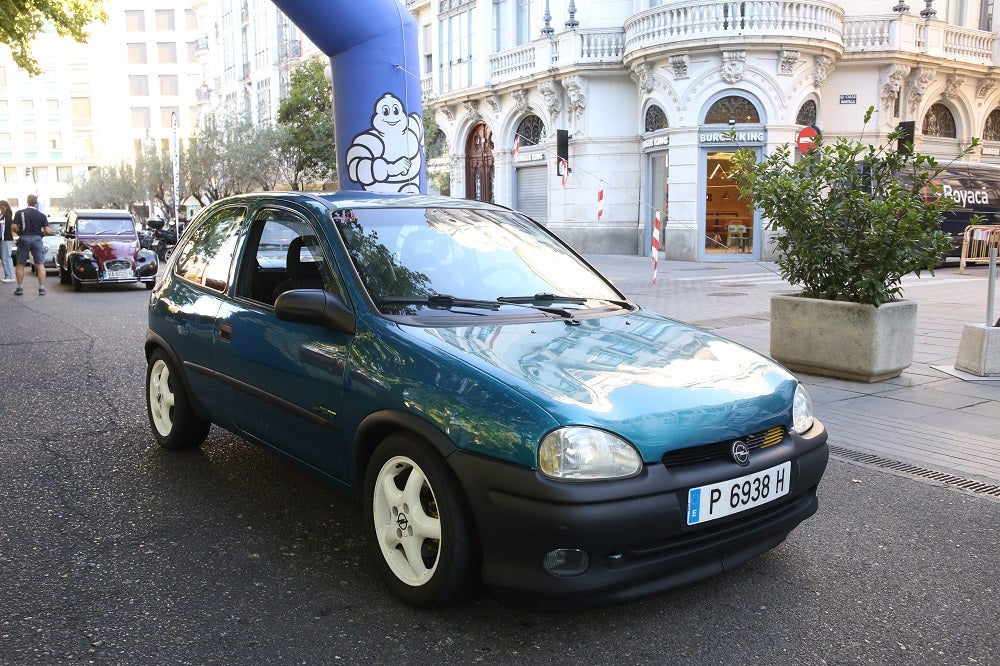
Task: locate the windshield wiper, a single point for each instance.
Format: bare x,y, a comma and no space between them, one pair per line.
542,298
439,302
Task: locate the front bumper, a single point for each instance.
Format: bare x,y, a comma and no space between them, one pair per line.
635,530
88,271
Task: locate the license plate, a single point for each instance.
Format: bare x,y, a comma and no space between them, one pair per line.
118,275
728,497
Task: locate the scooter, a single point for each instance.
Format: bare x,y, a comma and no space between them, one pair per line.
164,238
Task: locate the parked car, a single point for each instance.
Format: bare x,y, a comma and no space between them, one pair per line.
102,247
51,243
505,415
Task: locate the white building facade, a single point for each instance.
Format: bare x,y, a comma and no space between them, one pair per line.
646,91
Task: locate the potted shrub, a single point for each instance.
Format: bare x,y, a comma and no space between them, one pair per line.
852,220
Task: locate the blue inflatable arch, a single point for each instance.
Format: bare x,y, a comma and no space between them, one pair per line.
378,110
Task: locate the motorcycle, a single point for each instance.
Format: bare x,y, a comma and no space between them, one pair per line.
163,240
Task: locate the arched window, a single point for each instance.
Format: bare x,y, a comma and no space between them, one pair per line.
732,110
991,131
479,164
655,118
807,113
530,129
939,122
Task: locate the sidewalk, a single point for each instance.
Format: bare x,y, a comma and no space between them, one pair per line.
929,422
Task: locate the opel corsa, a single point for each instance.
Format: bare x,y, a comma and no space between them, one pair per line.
504,414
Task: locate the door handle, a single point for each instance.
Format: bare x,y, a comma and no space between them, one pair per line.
226,331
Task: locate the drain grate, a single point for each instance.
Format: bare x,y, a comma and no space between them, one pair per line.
979,487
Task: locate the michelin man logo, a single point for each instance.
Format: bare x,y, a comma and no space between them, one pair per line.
388,157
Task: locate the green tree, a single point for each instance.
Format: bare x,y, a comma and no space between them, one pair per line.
107,187
22,20
221,160
307,149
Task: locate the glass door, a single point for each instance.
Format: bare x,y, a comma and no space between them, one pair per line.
729,220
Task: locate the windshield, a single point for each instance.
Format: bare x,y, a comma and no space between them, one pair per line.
109,226
410,257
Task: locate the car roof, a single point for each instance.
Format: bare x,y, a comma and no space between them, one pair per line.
101,212
357,199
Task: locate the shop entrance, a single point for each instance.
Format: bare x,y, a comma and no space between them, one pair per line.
729,220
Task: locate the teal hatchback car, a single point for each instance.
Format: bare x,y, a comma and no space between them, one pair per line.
505,415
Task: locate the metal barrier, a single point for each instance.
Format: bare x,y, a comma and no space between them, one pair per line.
976,243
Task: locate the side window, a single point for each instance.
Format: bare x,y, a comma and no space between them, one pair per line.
207,255
283,253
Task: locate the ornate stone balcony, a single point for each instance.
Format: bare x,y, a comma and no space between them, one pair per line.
690,24
572,48
908,34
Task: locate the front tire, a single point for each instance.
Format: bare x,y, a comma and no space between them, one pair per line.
171,415
419,527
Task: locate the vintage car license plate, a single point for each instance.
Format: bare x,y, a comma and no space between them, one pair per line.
118,275
728,497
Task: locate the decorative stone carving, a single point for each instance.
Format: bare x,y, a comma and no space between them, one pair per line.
920,79
520,100
551,96
985,87
892,77
733,64
953,86
680,65
576,100
788,58
472,109
494,103
821,70
448,112
642,74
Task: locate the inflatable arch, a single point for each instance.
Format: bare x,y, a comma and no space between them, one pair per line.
378,109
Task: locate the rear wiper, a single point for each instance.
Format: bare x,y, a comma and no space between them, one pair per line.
439,302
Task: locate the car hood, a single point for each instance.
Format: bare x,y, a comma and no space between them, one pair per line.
110,249
660,383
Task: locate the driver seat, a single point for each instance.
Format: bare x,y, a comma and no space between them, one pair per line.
301,274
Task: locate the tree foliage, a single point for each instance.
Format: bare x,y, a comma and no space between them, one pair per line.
307,151
22,20
853,218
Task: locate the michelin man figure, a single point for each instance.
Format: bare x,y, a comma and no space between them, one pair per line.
388,157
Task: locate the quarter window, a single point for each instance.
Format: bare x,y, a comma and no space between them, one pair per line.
207,255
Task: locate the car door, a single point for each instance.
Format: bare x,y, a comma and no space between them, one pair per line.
287,380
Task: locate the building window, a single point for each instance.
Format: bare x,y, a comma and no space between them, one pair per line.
137,54
64,174
5,144
656,119
81,111
190,20
166,115
4,110
991,131
166,53
138,85
523,24
807,113
135,20
52,108
28,109
530,129
165,20
939,122
55,142
168,84
732,110
140,117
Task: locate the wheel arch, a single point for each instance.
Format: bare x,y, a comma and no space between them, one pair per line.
378,425
155,343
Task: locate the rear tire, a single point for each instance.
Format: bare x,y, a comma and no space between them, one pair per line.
173,419
419,527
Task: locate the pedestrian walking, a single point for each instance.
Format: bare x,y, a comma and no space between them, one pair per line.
7,246
30,224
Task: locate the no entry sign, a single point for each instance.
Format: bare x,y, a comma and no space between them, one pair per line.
806,138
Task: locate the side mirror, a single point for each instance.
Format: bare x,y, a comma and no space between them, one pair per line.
315,306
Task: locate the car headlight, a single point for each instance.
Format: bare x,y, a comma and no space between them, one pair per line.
802,410
583,454
87,254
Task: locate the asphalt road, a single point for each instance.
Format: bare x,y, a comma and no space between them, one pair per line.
113,551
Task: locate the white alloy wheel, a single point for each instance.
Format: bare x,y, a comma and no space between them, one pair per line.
161,398
407,522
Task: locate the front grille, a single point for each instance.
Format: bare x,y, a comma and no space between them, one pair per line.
118,265
720,450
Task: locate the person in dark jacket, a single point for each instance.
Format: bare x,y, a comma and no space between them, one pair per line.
30,224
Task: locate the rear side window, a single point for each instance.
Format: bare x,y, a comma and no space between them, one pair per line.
207,254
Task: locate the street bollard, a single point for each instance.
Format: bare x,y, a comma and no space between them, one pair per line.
992,289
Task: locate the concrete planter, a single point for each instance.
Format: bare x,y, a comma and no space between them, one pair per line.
840,339
979,350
